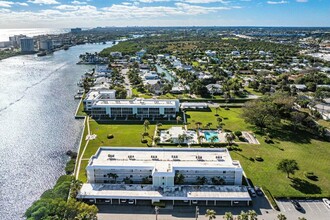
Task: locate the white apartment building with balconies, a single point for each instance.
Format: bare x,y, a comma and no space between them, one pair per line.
185,175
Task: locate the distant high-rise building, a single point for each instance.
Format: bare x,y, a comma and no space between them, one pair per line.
27,45
16,40
75,30
46,44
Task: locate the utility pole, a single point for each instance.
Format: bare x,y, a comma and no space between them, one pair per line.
197,212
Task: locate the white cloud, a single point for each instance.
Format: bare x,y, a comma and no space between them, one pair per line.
21,3
151,1
205,1
277,3
44,2
301,1
78,3
6,4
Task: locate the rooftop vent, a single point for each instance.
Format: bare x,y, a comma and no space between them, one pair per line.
199,157
218,157
174,156
111,155
131,157
153,156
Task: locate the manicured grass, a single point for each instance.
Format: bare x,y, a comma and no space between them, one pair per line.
81,110
231,119
124,135
82,172
128,135
310,154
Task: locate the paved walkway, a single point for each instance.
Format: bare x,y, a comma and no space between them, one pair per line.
83,152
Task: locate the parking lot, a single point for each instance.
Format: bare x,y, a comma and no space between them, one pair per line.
312,209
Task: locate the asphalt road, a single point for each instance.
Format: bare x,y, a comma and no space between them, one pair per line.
127,83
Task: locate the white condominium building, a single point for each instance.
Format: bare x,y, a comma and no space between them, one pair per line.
95,95
180,176
138,107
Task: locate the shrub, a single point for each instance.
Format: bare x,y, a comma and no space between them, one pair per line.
110,136
69,168
241,138
226,108
216,115
238,133
144,141
251,159
258,158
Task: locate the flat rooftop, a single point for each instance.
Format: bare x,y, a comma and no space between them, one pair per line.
163,157
192,192
139,102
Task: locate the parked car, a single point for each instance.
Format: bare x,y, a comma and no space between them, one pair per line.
194,202
252,192
296,204
258,191
326,202
123,201
131,201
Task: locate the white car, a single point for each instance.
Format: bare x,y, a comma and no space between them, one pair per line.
326,202
131,201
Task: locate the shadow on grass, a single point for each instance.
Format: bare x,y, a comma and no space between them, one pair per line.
286,133
305,186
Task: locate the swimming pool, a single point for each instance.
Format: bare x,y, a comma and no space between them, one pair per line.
209,134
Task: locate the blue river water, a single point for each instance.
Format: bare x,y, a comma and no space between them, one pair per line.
37,124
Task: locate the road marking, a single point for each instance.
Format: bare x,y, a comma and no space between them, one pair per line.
282,206
316,204
307,203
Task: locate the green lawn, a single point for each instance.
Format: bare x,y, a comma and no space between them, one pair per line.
231,119
124,135
81,110
311,155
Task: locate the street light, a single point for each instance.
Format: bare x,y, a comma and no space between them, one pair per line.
197,212
156,211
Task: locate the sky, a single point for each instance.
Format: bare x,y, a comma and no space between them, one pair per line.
92,13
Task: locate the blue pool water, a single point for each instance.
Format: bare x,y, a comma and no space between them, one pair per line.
209,134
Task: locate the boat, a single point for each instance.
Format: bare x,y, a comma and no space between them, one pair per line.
104,42
41,54
78,96
66,47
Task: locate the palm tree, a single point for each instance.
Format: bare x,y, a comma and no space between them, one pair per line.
182,138
179,178
228,216
113,176
288,166
243,216
201,180
210,214
208,125
146,125
75,187
281,217
213,139
156,140
229,137
253,215
198,124
178,119
216,111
